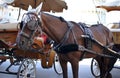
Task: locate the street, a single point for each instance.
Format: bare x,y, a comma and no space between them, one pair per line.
84,71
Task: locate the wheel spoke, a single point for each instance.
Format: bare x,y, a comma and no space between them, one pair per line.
27,69
95,68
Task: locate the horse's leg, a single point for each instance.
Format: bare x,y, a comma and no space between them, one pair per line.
63,63
111,63
75,68
107,68
106,65
102,66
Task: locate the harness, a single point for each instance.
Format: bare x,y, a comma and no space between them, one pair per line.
88,43
88,35
66,36
88,38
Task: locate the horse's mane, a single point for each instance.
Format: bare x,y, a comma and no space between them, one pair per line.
96,25
60,18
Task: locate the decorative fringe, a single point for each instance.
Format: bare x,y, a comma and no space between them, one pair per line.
67,48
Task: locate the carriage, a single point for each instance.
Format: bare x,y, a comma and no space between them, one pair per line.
25,60
73,40
71,44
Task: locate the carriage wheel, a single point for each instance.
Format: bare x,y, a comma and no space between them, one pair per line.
57,66
95,70
27,69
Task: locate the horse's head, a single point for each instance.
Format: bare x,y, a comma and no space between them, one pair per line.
30,28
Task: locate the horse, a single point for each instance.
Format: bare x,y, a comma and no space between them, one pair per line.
71,40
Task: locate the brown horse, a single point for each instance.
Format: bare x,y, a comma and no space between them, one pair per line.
65,33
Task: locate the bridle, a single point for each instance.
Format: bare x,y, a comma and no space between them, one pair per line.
34,20
31,22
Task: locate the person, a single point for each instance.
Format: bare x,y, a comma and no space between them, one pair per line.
44,38
42,41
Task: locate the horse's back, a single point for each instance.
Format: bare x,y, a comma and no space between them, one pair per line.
102,33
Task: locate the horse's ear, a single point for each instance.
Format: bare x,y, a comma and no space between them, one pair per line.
39,7
29,8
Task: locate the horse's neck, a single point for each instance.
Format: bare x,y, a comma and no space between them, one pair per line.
54,27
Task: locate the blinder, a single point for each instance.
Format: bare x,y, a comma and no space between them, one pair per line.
21,24
32,24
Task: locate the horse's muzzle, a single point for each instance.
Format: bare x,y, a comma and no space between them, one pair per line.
23,42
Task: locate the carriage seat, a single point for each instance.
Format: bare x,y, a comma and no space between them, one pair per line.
8,34
9,27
